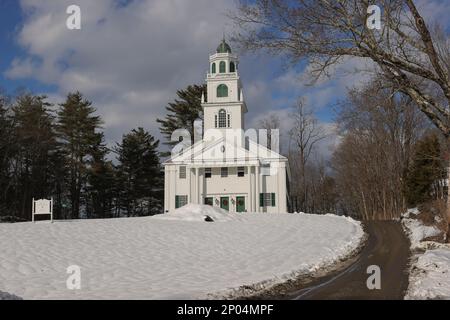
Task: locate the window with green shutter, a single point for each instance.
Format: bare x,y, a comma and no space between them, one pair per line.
180,201
267,199
224,172
182,173
232,67
222,67
222,91
213,68
209,201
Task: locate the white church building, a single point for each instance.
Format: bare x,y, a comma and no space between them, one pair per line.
227,168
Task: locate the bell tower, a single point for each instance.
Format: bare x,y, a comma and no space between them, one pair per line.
225,107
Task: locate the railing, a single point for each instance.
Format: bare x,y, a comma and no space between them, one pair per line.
224,55
222,75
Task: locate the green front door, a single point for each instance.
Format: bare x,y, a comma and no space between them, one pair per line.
240,204
225,203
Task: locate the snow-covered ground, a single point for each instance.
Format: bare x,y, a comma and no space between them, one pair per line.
175,256
430,276
416,230
430,271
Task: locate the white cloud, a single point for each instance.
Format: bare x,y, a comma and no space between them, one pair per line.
323,149
21,68
128,59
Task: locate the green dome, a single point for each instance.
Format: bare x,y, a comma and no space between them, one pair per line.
223,47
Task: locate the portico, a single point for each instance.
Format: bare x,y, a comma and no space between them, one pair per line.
202,187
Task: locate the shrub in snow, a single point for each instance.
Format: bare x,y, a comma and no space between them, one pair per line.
426,223
418,232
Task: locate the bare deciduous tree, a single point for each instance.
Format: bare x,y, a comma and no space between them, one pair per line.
412,59
379,132
271,122
304,135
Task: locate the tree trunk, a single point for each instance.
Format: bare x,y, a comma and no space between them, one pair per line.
365,207
448,191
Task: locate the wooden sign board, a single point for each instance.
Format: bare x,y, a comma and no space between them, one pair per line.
42,206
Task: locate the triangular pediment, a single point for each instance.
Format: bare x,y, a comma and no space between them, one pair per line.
223,151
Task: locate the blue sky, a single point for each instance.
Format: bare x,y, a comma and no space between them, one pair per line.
131,56
11,18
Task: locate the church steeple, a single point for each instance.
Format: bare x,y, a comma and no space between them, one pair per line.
225,107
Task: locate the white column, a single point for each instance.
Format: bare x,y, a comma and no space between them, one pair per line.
166,188
173,181
249,202
282,202
197,183
195,189
170,185
203,187
257,173
189,177
254,189
169,188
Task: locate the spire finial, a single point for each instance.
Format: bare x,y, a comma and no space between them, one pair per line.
223,47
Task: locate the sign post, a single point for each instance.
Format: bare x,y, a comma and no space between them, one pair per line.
42,206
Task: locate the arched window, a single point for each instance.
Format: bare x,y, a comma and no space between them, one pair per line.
213,68
232,67
222,91
222,118
222,67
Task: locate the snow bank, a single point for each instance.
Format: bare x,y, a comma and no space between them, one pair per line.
430,269
154,258
417,231
430,276
195,212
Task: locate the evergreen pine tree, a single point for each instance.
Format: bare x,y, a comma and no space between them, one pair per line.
182,113
101,186
6,153
426,168
77,131
139,174
35,143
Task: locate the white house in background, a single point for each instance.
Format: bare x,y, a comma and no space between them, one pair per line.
227,168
